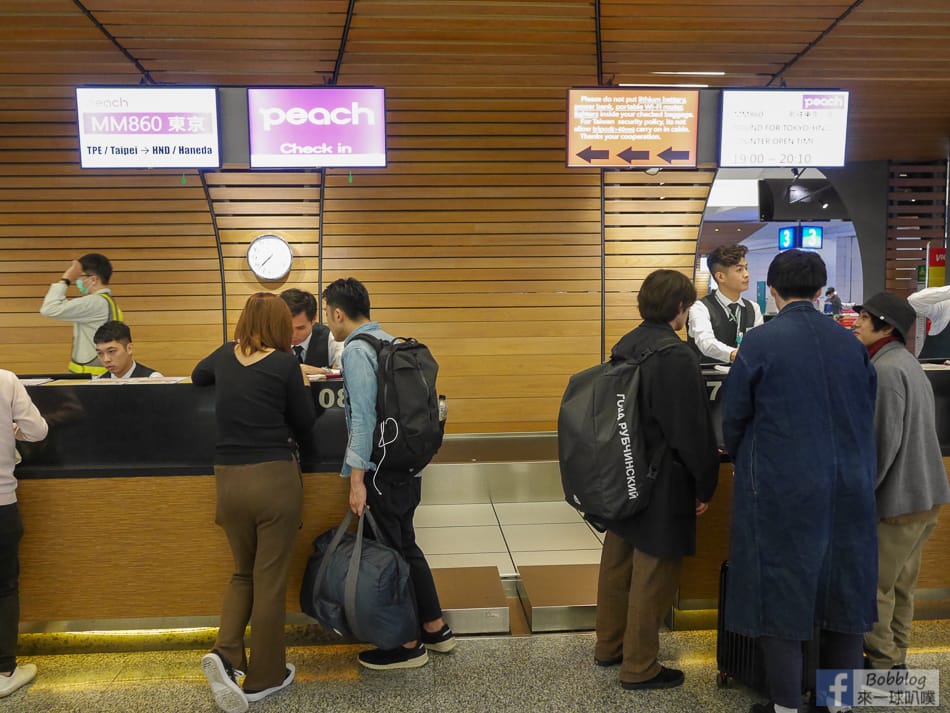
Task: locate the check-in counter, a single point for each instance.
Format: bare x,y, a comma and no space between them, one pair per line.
699,581
118,503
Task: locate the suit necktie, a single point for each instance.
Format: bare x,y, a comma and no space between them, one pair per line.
734,311
298,350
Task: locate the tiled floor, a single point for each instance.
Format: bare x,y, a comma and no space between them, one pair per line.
505,535
550,673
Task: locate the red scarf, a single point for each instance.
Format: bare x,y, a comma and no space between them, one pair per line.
879,344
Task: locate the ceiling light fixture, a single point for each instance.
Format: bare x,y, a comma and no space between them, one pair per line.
666,86
691,74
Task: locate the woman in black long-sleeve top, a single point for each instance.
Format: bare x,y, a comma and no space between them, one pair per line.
262,401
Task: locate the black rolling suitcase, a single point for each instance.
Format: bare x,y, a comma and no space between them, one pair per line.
739,657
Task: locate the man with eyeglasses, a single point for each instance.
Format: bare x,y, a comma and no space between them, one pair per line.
95,307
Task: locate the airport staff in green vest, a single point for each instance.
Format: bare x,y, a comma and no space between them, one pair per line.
95,307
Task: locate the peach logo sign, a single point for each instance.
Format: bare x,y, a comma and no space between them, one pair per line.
631,127
316,127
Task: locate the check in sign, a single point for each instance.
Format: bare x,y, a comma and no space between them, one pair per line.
317,127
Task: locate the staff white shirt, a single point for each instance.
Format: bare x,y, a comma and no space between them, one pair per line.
700,326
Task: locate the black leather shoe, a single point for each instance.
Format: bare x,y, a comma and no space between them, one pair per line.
606,663
762,708
666,678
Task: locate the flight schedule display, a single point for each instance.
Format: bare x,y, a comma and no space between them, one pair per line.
783,128
148,127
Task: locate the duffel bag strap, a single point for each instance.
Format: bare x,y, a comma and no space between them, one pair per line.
352,577
331,548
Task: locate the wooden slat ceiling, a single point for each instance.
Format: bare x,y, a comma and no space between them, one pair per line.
893,57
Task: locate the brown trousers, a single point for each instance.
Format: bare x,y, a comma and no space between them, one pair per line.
259,509
635,591
899,547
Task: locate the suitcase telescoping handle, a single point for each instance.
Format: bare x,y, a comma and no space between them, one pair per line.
352,573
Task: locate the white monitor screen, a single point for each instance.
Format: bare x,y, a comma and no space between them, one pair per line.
783,128
148,127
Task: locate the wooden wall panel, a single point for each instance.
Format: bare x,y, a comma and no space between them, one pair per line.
497,271
154,226
650,222
916,216
247,204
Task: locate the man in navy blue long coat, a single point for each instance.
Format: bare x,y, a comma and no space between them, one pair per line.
798,410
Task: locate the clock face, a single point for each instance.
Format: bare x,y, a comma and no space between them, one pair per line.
269,257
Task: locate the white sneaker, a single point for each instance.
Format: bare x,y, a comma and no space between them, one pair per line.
21,676
288,679
227,693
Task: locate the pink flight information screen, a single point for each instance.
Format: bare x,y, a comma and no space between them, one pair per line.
317,127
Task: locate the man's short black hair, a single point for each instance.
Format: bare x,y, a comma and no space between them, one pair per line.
97,264
663,294
113,331
349,295
725,256
300,301
797,274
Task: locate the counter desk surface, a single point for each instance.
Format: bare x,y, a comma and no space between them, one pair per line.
139,429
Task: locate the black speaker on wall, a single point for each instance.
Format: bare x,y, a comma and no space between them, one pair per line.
799,199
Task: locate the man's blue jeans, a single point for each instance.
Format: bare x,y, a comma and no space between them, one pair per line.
11,530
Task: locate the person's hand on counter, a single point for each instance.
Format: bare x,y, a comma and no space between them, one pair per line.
310,370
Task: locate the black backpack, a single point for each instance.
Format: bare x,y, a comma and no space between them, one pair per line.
409,429
605,472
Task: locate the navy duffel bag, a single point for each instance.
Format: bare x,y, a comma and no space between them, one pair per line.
359,587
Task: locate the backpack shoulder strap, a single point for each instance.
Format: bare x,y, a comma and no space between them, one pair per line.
374,342
663,346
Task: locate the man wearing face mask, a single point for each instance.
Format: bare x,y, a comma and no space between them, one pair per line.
90,274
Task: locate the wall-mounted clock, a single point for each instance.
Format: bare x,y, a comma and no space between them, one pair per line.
269,257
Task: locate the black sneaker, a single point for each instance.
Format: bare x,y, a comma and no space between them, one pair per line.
385,659
222,676
666,678
607,663
441,641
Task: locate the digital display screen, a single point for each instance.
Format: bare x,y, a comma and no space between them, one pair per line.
631,127
148,127
309,127
786,238
812,236
783,128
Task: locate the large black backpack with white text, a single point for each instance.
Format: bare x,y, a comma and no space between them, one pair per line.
409,429
605,471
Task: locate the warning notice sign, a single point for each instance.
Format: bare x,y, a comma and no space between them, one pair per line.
631,127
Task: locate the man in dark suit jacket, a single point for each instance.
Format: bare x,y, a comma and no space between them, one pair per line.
311,341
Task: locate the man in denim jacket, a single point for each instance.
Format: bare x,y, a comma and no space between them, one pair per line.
392,496
797,420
